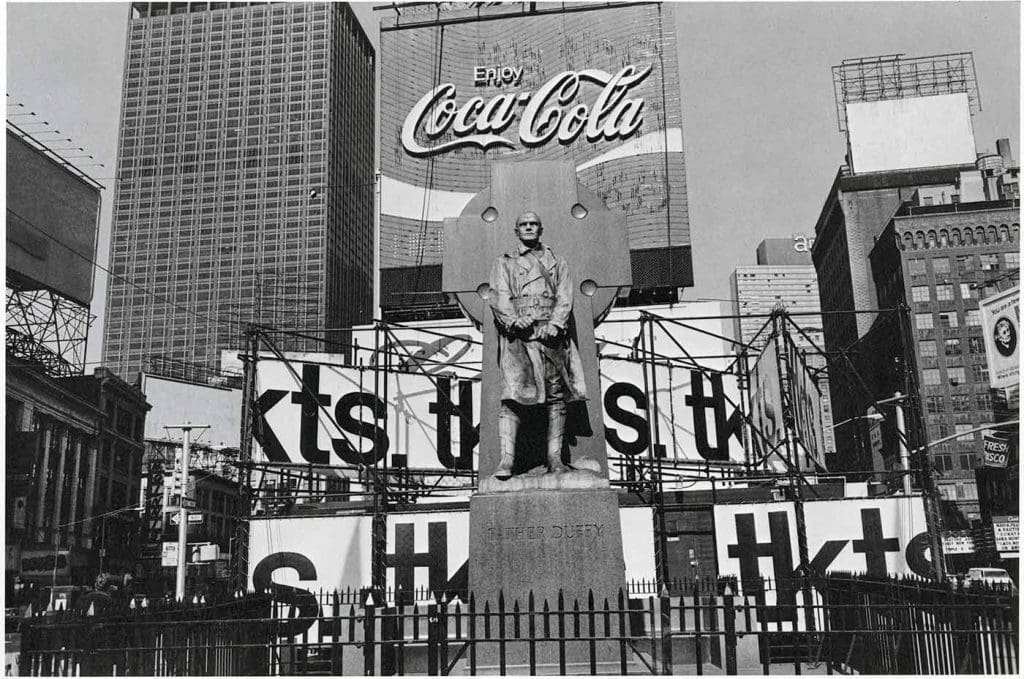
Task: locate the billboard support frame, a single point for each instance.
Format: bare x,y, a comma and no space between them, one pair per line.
47,328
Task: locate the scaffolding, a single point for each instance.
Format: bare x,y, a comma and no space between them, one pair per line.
46,328
892,76
381,484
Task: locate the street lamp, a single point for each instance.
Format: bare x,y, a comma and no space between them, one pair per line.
869,416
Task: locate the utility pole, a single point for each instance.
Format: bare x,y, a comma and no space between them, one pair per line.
901,436
186,430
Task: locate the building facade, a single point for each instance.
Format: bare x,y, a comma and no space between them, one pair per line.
784,276
73,472
245,184
214,488
936,261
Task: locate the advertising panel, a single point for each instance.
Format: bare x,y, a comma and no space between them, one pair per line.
464,86
426,552
900,134
885,536
175,402
52,222
1006,530
997,449
1000,318
808,416
313,410
766,404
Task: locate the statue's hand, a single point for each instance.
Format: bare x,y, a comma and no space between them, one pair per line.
522,322
548,331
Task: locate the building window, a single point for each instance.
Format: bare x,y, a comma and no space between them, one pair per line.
976,346
931,377
961,428
956,376
1012,260
973,318
965,263
948,319
961,403
984,401
966,462
917,267
924,321
940,265
953,347
943,292
936,404
968,291
967,491
921,293
927,348
979,371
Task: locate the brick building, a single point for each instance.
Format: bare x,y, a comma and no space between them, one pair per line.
936,260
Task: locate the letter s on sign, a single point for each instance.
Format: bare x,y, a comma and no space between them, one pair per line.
303,600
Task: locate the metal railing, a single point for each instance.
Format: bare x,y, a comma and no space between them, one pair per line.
896,626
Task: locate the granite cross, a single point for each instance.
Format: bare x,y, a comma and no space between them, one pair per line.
578,226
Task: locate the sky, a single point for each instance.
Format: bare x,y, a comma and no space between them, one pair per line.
760,132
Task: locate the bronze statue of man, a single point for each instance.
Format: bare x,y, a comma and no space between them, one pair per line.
531,297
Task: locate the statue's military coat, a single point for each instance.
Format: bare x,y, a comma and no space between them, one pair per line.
515,275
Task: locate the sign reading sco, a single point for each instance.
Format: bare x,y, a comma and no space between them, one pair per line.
479,123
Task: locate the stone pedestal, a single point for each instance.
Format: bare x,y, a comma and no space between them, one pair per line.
546,541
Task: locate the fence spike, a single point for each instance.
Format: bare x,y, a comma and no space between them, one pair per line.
195,599
92,609
202,599
369,599
131,604
29,612
144,603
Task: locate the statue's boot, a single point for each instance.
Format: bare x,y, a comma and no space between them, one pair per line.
556,434
508,427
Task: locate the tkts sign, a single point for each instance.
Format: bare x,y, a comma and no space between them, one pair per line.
880,537
554,111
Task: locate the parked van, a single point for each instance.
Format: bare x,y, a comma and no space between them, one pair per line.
996,578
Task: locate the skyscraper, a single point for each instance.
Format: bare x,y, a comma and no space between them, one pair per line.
785,276
245,182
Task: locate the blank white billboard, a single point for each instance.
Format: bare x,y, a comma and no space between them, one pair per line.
174,402
898,134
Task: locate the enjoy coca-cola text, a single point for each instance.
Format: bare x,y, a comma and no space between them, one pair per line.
546,114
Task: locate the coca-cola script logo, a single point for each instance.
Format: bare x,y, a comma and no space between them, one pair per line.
546,113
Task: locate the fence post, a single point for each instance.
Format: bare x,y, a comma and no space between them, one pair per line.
432,640
665,611
369,636
442,630
729,615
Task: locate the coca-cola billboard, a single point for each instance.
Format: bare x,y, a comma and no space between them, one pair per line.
546,114
466,85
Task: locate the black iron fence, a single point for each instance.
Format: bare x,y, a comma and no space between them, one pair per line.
846,624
